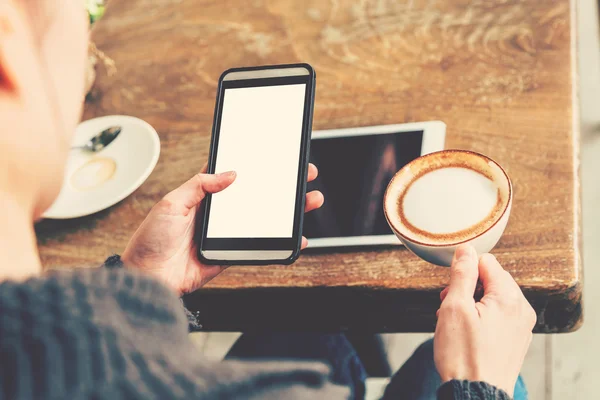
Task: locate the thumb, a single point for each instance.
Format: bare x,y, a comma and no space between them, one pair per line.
463,272
191,193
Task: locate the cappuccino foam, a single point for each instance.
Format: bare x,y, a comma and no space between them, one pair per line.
447,197
449,200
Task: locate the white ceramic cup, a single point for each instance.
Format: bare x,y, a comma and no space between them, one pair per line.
441,251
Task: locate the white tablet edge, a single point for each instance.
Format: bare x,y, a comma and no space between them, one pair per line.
434,138
374,240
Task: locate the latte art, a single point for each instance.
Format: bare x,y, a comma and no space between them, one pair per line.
446,198
450,203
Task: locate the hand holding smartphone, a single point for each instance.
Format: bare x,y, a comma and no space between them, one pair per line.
261,130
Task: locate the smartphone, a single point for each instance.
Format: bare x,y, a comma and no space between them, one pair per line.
261,130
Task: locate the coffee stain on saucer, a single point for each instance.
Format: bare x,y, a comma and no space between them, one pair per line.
93,173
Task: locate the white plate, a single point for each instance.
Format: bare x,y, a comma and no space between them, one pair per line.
109,175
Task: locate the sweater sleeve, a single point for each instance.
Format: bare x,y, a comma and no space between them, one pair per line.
115,262
113,334
467,390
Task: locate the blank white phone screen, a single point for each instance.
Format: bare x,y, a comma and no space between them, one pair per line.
259,139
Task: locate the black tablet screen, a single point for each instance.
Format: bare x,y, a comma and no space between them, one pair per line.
353,174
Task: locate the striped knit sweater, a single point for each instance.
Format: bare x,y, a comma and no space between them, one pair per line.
111,334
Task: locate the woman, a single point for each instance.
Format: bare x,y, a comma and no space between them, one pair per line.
122,333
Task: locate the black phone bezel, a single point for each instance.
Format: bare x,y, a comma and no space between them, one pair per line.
267,244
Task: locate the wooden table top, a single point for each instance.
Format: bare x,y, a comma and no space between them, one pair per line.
500,74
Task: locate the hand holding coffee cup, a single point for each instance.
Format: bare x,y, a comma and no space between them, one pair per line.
443,199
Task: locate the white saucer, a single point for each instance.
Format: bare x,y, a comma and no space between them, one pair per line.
134,154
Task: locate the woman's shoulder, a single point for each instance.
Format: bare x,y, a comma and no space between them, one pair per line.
112,333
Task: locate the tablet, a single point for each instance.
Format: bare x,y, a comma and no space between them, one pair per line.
355,166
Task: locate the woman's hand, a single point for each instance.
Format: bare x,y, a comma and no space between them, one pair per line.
163,245
486,340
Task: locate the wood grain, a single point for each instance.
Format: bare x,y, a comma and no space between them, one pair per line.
499,73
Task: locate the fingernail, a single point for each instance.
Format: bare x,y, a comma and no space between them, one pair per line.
226,174
465,253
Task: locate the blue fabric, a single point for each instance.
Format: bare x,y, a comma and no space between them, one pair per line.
334,350
417,379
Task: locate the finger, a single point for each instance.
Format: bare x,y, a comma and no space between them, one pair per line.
476,296
463,273
491,273
498,285
444,293
209,272
191,193
313,172
304,243
314,200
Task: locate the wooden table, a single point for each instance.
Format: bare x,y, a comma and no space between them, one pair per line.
500,74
